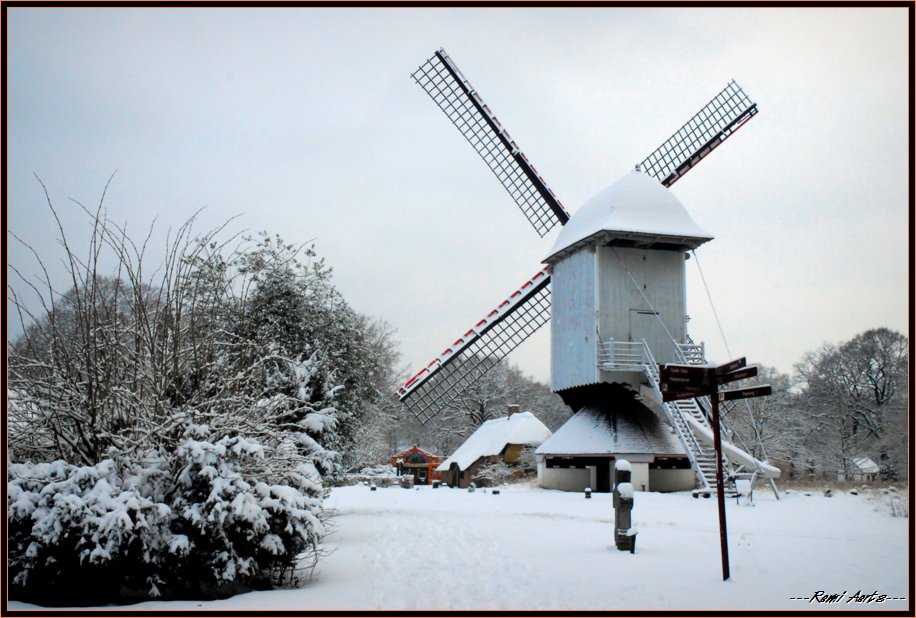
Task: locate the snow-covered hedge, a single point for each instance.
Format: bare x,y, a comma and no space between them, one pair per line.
405,481
201,522
378,470
496,473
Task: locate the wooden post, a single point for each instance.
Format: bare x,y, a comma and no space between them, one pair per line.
687,382
624,533
720,484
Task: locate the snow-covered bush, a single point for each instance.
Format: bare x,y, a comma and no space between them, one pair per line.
527,460
887,473
85,533
496,473
378,470
214,522
244,531
201,406
406,481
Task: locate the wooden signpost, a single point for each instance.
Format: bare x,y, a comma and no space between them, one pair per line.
690,381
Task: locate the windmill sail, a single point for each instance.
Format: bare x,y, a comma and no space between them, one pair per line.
711,126
481,348
448,88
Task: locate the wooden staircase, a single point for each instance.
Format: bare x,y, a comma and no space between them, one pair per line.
637,356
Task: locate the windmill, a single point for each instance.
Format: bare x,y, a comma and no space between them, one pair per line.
633,232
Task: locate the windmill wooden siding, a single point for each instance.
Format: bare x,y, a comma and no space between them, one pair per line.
619,275
623,312
593,296
573,339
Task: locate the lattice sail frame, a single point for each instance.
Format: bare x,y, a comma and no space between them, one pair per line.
482,347
455,96
708,128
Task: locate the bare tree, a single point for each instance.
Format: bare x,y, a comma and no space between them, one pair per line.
488,397
537,397
854,398
126,361
767,426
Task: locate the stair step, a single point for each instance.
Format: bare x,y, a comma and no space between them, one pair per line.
682,411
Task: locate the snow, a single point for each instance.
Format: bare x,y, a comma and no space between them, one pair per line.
633,205
179,544
623,464
625,490
743,486
595,431
493,436
537,549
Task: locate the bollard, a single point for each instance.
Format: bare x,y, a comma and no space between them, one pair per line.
744,488
372,487
435,484
588,493
471,487
624,532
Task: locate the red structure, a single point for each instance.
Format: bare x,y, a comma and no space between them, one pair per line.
421,464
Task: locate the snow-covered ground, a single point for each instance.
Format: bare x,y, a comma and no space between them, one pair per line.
531,549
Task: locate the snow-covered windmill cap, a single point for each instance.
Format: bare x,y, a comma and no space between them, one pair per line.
635,208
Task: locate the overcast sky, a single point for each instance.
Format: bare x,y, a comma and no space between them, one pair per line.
305,123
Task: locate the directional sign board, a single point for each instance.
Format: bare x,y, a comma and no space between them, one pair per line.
687,375
689,371
745,393
682,394
740,374
733,365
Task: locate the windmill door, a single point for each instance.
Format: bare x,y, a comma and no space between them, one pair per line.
646,325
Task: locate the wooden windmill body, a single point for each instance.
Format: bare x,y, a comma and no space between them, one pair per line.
613,290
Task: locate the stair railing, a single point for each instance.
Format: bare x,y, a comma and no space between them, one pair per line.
683,352
690,442
636,355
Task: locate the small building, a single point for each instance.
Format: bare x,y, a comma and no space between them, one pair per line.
863,469
582,453
499,439
417,462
